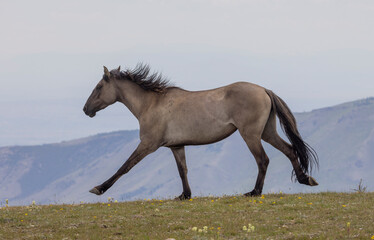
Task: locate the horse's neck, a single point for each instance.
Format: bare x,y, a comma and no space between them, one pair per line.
133,97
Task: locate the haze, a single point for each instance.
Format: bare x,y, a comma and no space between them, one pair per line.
311,53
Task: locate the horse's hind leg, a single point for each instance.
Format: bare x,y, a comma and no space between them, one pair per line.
271,136
180,158
262,160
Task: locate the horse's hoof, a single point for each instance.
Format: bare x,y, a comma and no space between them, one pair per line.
183,196
253,193
96,191
312,181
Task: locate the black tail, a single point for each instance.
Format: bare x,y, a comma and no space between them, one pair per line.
306,154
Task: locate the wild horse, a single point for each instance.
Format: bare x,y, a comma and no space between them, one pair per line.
173,117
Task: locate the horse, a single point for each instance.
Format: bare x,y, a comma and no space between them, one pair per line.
172,117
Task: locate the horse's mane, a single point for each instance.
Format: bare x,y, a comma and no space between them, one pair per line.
141,75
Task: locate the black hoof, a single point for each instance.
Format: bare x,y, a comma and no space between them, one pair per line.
312,181
307,180
253,193
96,191
183,196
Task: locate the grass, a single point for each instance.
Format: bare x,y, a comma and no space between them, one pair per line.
274,216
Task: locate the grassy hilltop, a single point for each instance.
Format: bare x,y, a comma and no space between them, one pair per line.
273,216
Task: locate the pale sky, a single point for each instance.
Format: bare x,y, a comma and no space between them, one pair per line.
313,54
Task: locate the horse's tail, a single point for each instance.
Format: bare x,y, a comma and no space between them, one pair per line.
305,153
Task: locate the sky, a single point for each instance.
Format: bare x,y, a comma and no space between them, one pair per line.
313,54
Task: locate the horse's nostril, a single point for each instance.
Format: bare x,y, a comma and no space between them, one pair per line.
85,108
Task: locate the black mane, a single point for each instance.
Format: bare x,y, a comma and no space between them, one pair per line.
141,76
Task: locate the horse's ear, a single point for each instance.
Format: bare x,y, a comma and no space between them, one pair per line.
119,69
106,72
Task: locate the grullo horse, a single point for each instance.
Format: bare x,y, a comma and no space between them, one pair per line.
173,117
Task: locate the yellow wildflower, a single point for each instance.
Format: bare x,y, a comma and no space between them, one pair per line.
273,202
348,224
309,203
26,214
212,200
344,205
7,202
115,201
299,197
108,204
200,230
262,196
194,229
205,228
251,228
245,228
190,200
372,237
219,228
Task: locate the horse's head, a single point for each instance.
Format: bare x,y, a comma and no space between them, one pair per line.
103,95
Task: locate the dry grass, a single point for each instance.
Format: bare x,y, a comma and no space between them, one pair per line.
274,216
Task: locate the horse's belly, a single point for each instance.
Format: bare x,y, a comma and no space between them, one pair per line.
198,133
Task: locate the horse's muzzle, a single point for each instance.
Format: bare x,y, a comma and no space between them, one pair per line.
88,113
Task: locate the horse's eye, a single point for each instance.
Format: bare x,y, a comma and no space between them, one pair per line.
99,87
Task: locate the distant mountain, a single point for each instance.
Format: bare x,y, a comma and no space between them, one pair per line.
343,137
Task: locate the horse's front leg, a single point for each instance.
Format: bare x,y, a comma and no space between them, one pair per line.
141,151
180,158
